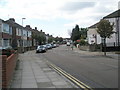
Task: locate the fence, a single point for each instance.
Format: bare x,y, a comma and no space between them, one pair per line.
111,47
8,67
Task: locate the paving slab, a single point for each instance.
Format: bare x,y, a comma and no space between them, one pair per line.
33,72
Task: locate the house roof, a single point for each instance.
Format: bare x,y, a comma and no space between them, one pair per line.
94,26
113,15
14,24
3,21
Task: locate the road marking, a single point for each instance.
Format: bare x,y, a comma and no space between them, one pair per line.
70,77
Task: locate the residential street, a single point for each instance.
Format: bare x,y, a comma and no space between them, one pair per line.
95,71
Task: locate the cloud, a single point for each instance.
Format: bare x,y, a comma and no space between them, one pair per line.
75,6
81,12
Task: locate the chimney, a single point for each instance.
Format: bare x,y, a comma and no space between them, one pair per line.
28,26
35,28
12,19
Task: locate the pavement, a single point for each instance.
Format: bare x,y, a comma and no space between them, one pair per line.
34,72
97,53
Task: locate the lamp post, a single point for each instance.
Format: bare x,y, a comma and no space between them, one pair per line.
22,20
22,36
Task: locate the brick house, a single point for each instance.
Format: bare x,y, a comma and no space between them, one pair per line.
29,37
35,32
5,33
17,30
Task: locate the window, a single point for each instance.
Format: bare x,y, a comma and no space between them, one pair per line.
5,28
24,33
16,31
25,43
6,42
29,33
10,30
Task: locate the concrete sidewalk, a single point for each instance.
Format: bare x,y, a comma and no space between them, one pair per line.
33,72
108,54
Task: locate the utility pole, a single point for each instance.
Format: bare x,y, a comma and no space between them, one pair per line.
22,36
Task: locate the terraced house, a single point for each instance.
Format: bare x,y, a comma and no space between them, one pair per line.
21,38
29,37
18,37
5,33
17,33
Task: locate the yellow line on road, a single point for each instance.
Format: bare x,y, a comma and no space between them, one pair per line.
73,79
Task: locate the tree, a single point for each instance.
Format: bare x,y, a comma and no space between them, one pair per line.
50,39
58,39
75,33
39,37
83,32
105,29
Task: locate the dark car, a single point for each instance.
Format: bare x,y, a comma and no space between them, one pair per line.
40,49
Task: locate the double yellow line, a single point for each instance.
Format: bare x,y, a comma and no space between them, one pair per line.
70,77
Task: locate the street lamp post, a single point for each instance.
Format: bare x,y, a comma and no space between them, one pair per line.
22,36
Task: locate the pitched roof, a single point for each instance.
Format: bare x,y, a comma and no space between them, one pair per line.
113,15
94,26
14,24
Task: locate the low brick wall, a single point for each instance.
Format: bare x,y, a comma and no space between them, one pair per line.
84,48
8,67
20,49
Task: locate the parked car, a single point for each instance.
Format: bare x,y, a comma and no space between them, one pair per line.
68,44
45,47
40,49
57,45
54,45
49,46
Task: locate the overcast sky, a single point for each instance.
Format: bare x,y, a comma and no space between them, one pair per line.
57,17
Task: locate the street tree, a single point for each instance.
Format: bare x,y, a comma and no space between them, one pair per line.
50,39
105,29
40,38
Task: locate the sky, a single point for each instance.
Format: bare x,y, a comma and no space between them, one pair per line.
57,17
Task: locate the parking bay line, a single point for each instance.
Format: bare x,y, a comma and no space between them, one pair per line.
70,77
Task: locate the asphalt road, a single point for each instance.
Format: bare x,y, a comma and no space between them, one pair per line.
94,71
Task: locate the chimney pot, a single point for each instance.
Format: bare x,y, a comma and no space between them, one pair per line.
12,19
35,28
